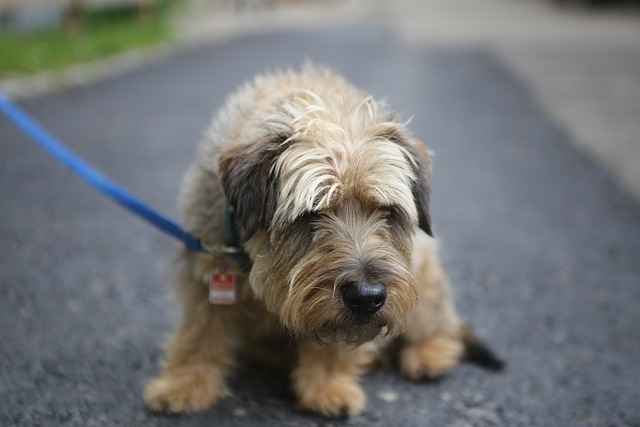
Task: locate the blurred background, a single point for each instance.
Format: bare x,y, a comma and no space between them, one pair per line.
579,57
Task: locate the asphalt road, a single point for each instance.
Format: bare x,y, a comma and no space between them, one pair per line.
543,248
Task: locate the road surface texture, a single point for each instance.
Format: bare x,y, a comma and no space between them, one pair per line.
542,246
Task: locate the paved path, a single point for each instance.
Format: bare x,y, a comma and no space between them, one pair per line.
543,247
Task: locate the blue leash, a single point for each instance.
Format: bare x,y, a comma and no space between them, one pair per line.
92,176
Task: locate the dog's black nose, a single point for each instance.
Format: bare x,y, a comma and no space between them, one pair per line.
364,298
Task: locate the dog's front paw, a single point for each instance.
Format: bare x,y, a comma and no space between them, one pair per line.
333,397
430,359
184,390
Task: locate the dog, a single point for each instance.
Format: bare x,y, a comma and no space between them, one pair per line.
321,196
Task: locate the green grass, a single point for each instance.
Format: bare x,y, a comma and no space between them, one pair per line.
104,34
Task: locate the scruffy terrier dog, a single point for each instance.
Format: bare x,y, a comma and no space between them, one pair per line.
328,192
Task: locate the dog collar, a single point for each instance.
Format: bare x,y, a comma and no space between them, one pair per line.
232,239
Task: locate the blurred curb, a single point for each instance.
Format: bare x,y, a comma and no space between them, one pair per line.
197,27
20,87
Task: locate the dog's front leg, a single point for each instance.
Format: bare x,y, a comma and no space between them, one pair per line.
432,343
198,355
326,379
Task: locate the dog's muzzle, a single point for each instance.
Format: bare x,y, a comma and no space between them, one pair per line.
364,298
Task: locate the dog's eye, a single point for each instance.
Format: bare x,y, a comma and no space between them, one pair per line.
309,216
394,215
389,213
308,221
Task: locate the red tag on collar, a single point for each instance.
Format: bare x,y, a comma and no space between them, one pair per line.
222,288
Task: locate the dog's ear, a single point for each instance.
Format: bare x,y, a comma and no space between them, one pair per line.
421,163
422,186
245,173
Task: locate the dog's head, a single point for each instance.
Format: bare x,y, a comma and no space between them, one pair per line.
328,195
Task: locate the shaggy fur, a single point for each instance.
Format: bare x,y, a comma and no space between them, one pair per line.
329,190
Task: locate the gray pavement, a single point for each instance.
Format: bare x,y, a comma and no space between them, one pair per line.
542,245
